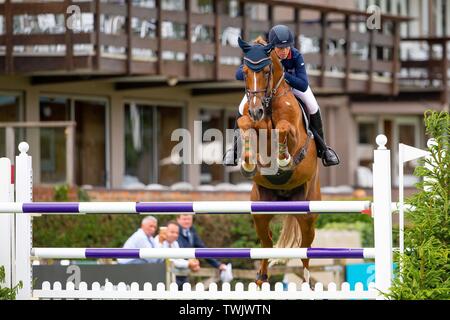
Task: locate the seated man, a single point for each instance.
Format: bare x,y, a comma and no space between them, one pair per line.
142,238
167,238
188,238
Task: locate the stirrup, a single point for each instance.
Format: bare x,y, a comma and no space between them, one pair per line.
230,159
330,162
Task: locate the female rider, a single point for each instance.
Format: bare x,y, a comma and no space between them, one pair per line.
295,75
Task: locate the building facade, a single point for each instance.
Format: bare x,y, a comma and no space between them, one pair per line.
103,85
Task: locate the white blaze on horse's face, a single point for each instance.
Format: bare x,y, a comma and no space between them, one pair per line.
257,84
254,87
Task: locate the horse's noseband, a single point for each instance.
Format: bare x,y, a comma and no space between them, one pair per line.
268,94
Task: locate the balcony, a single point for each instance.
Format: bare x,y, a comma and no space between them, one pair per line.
425,66
194,42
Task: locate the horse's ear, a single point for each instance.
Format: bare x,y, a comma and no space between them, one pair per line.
244,45
268,48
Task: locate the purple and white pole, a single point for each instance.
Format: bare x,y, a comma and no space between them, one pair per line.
195,207
190,253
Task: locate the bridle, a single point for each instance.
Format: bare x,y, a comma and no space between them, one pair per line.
267,104
268,94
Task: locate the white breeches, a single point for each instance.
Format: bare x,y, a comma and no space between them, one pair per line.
307,97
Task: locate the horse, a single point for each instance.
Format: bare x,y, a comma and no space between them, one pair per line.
271,105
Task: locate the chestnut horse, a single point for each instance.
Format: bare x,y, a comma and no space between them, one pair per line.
272,105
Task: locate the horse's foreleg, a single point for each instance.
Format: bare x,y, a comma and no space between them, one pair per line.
286,137
248,165
262,225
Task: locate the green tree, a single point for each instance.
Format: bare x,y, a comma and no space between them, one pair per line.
426,269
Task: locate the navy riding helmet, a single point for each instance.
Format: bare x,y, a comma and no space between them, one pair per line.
281,36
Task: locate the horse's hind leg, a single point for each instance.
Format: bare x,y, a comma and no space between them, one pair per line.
306,223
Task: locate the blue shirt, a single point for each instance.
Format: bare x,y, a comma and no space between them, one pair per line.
295,71
137,241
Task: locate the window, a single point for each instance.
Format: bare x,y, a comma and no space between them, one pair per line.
148,145
212,119
10,107
367,132
53,140
90,139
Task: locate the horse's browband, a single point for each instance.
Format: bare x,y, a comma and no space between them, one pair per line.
256,62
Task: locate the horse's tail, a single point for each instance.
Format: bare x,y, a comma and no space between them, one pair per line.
290,237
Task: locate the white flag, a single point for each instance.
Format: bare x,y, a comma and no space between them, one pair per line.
410,153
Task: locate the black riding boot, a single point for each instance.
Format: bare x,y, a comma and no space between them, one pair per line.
328,155
230,158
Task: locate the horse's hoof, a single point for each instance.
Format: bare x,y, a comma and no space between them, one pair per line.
261,278
248,171
285,164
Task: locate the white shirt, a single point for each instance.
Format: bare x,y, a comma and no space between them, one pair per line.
178,263
139,240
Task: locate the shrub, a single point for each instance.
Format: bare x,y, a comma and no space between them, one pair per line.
425,267
7,293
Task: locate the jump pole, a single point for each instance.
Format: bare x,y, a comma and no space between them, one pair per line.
194,207
193,253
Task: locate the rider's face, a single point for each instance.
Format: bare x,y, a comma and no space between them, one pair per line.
282,53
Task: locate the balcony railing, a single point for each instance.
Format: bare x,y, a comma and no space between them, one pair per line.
425,65
196,42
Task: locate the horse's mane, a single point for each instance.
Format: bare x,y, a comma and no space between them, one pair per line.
278,66
260,40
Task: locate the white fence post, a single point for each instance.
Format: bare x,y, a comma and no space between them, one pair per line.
6,221
24,193
382,215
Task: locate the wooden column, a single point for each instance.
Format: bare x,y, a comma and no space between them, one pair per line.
9,62
270,17
323,48
372,58
445,65
188,7
217,31
97,35
348,53
68,38
244,32
298,28
129,37
159,65
395,59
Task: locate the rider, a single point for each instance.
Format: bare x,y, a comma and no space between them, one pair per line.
295,75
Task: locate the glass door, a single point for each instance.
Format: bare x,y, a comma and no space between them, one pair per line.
90,154
53,140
